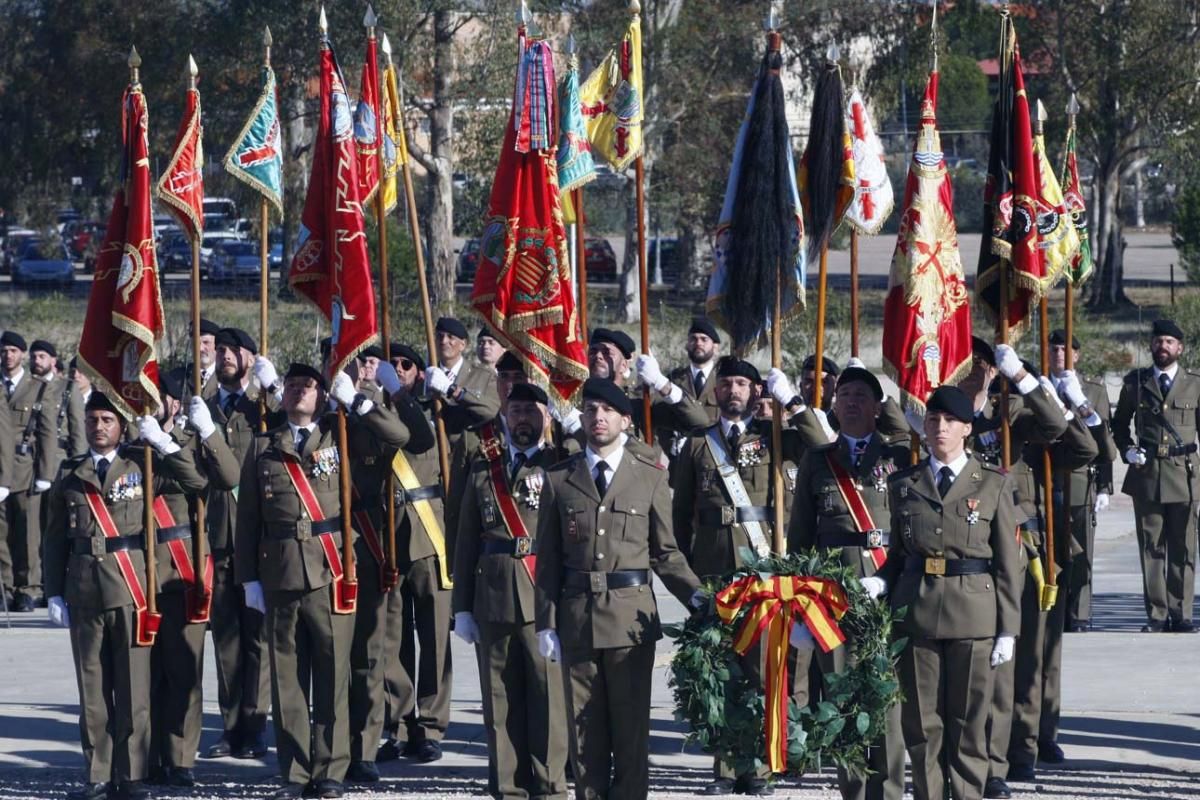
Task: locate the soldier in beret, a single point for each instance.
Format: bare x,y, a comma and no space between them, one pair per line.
208,357
1161,404
487,349
604,522
697,380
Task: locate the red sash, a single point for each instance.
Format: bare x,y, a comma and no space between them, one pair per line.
198,604
491,448
852,495
146,624
345,595
388,579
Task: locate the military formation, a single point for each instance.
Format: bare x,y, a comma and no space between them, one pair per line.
536,537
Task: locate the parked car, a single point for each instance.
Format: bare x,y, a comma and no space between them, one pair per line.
234,260
600,259
175,253
468,261
12,246
43,263
208,241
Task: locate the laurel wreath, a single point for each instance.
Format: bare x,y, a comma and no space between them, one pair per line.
725,708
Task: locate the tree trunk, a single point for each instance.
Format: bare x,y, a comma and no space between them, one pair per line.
1108,249
439,189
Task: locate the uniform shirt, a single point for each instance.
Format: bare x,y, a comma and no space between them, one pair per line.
613,460
224,394
956,466
11,382
310,427
727,426
693,371
97,458
1170,372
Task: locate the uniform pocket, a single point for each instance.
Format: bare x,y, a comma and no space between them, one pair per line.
625,514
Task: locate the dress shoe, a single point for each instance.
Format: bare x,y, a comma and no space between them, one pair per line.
133,790
1022,773
428,750
1183,626
1051,753
223,747
327,787
181,777
721,786
412,747
23,604
362,772
157,776
89,791
388,751
996,788
753,786
1154,627
288,791
253,747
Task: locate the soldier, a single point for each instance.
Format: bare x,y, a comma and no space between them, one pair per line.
208,357
952,562
828,378
604,523
240,649
95,568
487,349
177,657
494,600
841,504
368,362
43,363
288,559
1162,403
77,394
377,582
1089,493
697,379
33,411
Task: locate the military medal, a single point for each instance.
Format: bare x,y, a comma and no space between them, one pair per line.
126,487
973,515
792,472
325,462
533,489
750,454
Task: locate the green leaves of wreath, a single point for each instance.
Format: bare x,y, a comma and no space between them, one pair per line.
725,707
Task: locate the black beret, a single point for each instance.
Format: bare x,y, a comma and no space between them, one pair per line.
1166,327
485,333
43,346
326,346
72,364
451,326
509,363
401,350
705,326
982,350
209,328
733,367
236,337
607,392
951,400
374,351
13,339
98,401
852,374
171,382
528,391
829,366
619,339
1059,337
298,370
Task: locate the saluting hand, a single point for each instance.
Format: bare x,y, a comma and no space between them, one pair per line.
200,417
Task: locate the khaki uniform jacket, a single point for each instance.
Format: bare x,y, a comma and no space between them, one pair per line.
268,501
1096,476
496,587
818,510
707,399
33,400
8,445
629,529
715,549
926,525
95,581
1168,478
238,429
1075,449
76,427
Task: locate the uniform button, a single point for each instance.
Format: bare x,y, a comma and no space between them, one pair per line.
601,509
600,532
632,510
599,556
938,531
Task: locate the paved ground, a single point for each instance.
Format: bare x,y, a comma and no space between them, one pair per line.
1131,720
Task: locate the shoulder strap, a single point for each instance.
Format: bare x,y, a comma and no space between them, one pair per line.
860,513
502,492
409,481
146,626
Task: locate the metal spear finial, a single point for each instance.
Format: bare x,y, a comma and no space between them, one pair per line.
323,22
933,36
1073,105
771,22
369,19
833,54
134,61
386,46
635,7
524,17
1040,124
267,42
572,47
192,71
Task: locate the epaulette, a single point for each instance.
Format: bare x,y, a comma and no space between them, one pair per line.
567,462
823,447
71,463
895,439
904,473
645,459
990,467
1134,375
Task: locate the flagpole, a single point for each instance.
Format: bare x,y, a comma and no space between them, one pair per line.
819,358
853,291
1004,266
580,243
1069,301
779,543
198,532
264,249
635,9
414,229
1050,591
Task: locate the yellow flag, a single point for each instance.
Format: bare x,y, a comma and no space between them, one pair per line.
395,148
1057,237
612,101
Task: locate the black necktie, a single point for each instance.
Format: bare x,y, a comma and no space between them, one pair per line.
601,478
9,386
698,383
860,447
102,469
231,400
517,462
735,435
302,435
945,480
1164,383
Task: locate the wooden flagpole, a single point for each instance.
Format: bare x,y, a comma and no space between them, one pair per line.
1005,267
1069,310
1050,592
198,533
779,543
580,238
264,277
635,9
854,292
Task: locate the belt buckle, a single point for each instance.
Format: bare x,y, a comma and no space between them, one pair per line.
1164,450
522,546
598,582
98,545
935,566
303,529
728,515
875,538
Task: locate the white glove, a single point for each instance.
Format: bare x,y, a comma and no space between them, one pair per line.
465,627
571,421
873,586
40,486
3,493
254,596
264,372
342,390
58,612
1002,651
200,417
823,420
385,376
779,387
1135,457
855,361
649,373
152,433
1070,389
1102,502
1008,362
1048,386
548,644
437,380
801,637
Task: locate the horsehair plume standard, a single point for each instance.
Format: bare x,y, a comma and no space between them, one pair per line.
823,161
763,218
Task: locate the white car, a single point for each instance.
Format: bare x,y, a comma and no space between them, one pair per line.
208,241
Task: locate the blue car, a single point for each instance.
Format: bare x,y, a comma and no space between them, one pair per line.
43,264
234,260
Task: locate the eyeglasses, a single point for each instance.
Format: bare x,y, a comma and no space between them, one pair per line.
406,364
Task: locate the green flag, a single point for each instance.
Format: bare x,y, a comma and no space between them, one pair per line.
256,157
1081,265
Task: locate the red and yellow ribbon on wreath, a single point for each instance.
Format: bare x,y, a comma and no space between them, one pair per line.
771,605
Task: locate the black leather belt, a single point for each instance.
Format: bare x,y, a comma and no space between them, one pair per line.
517,548
99,545
420,493
304,529
599,582
947,566
731,515
1170,451
172,533
871,538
